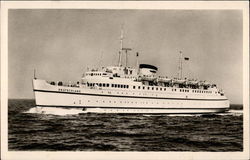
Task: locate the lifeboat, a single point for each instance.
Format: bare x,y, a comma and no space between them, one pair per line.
147,78
192,82
204,83
164,80
179,81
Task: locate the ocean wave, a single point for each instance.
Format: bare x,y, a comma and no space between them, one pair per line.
76,111
54,111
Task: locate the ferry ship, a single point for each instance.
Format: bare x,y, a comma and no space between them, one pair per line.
124,89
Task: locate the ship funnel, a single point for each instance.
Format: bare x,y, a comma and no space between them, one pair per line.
147,70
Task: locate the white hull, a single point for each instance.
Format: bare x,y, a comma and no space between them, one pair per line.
152,111
72,110
107,101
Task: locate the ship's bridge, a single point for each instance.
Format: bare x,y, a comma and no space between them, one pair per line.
97,74
122,71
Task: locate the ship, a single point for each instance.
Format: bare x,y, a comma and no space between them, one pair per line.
123,89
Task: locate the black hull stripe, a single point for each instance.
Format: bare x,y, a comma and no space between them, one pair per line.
58,106
90,94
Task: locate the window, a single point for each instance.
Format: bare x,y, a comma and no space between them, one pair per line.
119,86
143,87
104,85
112,85
133,87
152,88
160,89
100,84
156,88
139,87
115,85
164,89
148,88
107,85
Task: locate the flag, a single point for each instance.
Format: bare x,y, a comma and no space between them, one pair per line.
186,58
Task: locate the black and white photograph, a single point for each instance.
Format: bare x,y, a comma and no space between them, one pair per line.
129,78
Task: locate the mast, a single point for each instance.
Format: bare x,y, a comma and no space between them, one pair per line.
121,49
126,58
34,73
180,66
137,62
121,46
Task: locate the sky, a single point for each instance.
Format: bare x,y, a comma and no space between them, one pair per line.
61,43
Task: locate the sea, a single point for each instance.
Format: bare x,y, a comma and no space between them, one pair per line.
29,130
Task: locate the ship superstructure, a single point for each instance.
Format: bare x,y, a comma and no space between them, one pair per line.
123,89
